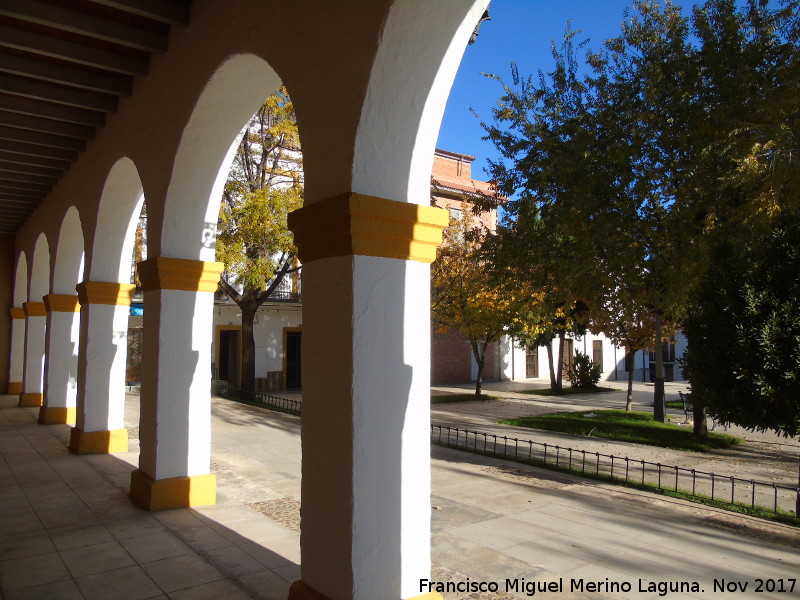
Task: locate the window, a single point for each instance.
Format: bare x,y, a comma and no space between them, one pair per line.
667,352
597,353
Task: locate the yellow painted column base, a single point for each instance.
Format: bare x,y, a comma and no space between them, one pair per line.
30,399
173,492
302,591
98,442
56,415
14,388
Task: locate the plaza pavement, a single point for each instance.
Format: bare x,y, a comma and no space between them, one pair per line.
68,530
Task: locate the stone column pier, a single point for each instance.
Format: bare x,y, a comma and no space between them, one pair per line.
100,425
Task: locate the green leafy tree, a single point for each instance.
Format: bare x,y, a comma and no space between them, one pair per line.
644,85
745,177
539,128
254,242
743,359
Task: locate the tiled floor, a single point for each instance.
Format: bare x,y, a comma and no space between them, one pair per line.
68,530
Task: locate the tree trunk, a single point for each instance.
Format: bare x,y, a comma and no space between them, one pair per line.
248,376
560,373
480,359
549,347
699,427
629,399
659,408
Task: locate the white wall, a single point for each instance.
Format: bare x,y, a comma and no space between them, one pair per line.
268,331
513,361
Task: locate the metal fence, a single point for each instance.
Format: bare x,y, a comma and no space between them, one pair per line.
723,488
260,399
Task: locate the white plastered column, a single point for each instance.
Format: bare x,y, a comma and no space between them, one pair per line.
175,416
33,370
366,399
16,362
61,359
103,348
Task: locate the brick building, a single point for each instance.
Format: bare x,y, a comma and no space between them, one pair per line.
452,186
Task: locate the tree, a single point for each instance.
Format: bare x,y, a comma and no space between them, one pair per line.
539,320
463,296
746,172
644,86
254,242
744,331
685,131
627,323
539,128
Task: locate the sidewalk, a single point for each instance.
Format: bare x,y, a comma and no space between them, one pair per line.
67,529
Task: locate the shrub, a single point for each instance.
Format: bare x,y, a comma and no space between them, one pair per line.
583,373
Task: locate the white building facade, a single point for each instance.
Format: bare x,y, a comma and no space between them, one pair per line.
523,363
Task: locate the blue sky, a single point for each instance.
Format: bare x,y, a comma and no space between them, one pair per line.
520,31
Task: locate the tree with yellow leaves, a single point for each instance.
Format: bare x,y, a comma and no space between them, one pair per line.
464,296
254,242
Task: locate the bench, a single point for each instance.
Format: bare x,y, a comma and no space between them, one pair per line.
688,411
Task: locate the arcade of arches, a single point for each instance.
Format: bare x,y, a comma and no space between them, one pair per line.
369,80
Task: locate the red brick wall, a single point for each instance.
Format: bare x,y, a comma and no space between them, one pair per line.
451,359
451,167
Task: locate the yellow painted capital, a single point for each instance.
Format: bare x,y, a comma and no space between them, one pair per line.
34,309
105,292
355,224
162,273
61,303
17,313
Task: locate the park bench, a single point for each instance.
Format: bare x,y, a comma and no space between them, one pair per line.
688,410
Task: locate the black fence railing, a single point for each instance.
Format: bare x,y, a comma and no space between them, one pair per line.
286,405
285,296
722,488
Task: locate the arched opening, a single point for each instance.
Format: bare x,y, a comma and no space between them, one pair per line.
63,325
17,350
35,325
114,236
178,281
105,298
205,154
366,320
21,281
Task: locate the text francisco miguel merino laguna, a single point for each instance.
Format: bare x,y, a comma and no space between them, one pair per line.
605,586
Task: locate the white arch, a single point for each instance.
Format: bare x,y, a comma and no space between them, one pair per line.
68,269
419,55
206,151
21,281
115,232
40,270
